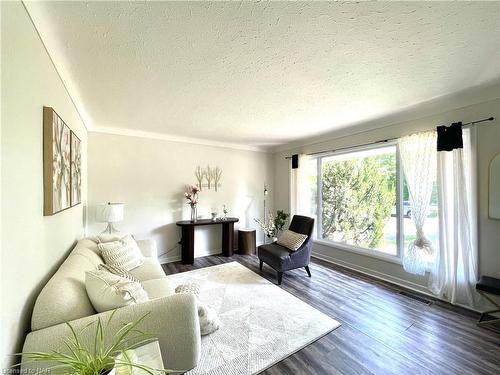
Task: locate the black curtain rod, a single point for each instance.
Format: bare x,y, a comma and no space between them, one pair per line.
383,140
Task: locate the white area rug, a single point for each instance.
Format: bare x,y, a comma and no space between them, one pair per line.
261,324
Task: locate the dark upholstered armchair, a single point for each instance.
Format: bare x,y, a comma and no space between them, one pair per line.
281,258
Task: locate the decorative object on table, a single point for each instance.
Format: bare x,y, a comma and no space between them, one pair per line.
209,322
110,213
214,216
187,240
56,163
246,241
208,177
283,259
261,324
494,195
225,211
192,196
76,170
104,356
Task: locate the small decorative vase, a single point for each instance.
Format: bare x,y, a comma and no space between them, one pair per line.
194,214
214,216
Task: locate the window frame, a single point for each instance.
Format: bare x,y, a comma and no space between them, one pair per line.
399,204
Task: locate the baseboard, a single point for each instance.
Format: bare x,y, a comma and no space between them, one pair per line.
163,258
376,274
169,259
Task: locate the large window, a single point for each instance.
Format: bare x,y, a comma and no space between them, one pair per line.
358,191
360,201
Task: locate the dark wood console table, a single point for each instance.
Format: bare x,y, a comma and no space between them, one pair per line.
187,241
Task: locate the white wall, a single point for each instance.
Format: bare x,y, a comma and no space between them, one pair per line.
32,245
488,146
150,175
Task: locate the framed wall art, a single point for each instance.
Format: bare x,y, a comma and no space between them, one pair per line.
56,163
76,170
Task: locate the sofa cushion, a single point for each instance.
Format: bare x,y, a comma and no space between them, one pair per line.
123,253
149,270
64,297
108,291
158,288
122,272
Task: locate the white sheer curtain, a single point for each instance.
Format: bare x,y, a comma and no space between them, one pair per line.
455,272
303,189
418,157
299,193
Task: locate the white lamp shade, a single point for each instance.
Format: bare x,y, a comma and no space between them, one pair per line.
109,213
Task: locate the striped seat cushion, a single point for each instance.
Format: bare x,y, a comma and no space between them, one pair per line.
291,240
123,253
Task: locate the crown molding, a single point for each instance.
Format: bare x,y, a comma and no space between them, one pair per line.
174,138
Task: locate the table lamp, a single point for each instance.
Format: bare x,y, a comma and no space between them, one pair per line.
109,213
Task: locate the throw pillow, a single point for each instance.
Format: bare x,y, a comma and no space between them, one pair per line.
118,271
123,253
291,240
107,291
107,237
209,321
189,288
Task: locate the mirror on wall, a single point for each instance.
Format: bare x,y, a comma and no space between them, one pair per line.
494,198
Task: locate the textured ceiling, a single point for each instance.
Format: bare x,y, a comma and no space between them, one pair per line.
263,73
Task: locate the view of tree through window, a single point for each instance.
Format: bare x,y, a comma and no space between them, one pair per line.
359,199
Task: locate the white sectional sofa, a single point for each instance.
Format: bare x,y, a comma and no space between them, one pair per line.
173,318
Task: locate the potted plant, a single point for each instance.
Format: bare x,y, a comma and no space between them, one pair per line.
280,220
101,358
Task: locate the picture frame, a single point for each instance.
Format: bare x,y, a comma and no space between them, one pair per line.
76,170
56,163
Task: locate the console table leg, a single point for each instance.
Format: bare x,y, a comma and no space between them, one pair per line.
227,239
187,247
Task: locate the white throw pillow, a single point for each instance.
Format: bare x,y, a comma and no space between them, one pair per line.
123,253
291,240
209,321
118,271
107,291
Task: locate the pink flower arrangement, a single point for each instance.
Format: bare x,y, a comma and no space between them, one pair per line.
191,195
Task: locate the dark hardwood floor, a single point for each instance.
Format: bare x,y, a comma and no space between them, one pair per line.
382,332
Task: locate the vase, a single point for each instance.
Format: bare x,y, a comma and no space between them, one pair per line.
194,214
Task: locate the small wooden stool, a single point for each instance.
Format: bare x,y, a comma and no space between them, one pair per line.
489,285
246,241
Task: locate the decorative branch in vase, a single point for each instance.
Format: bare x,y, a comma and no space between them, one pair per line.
274,224
192,196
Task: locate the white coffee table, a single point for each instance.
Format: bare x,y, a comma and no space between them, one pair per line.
147,355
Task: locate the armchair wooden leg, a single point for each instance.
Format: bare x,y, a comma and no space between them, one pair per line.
308,271
280,277
260,264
